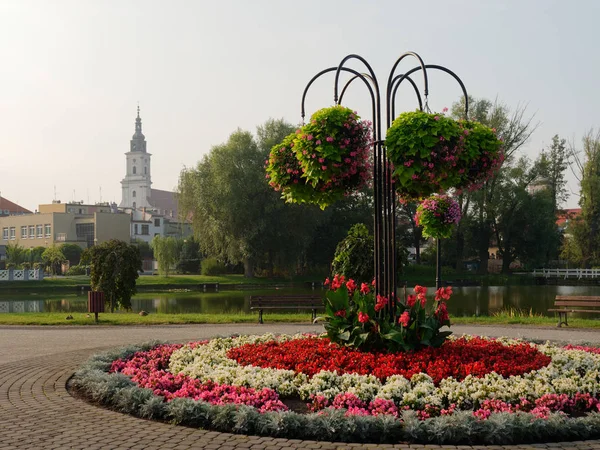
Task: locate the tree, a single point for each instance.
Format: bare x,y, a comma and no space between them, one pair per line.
15,254
115,267
72,253
551,167
53,258
514,128
166,251
189,257
412,232
354,255
586,230
236,216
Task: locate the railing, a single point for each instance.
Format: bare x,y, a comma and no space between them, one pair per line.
567,273
21,275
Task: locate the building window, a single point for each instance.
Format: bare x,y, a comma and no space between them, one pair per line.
133,194
47,230
145,170
13,233
31,231
40,231
5,233
145,230
157,222
135,229
24,232
134,170
85,232
133,205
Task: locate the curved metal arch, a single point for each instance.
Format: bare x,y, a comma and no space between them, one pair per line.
414,85
421,63
400,78
331,69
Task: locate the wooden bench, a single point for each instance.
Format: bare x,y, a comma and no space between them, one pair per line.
262,302
583,303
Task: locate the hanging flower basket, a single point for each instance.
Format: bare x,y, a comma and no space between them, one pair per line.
433,153
331,158
437,215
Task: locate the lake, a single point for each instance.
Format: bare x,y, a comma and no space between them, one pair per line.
466,301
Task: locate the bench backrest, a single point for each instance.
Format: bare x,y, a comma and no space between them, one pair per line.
284,300
589,301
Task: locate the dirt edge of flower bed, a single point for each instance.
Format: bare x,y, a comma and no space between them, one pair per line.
115,391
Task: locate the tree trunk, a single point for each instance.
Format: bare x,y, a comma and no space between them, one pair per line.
482,250
507,258
248,268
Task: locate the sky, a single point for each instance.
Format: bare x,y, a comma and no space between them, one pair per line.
73,73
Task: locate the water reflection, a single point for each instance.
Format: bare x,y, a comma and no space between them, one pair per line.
466,301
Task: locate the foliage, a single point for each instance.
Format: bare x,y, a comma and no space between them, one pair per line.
72,253
53,258
330,154
15,254
77,270
354,254
189,257
166,252
586,229
144,248
551,166
355,317
235,215
114,269
437,215
212,266
433,153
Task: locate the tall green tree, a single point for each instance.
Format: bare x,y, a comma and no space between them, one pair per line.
72,253
514,127
16,254
166,252
114,269
551,167
53,258
189,257
236,216
586,230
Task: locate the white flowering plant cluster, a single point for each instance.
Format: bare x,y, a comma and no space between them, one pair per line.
570,372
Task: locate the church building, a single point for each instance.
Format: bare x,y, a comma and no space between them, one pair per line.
137,192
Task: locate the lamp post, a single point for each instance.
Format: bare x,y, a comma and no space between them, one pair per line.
383,185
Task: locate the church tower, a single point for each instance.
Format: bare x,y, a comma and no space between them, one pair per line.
136,186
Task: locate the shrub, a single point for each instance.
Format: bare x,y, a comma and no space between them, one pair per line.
354,254
77,270
211,266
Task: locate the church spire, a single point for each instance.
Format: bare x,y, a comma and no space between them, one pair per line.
138,141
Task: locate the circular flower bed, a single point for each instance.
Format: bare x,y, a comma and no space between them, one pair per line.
470,390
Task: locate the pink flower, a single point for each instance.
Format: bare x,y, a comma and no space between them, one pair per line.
318,142
329,139
323,167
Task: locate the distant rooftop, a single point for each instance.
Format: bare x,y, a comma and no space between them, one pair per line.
8,208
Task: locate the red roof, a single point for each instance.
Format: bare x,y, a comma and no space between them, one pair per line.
12,208
567,214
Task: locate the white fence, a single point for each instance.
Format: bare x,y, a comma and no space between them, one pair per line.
21,275
567,273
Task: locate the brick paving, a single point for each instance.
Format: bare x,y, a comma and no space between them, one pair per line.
37,412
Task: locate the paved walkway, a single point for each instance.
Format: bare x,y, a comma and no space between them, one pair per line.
36,411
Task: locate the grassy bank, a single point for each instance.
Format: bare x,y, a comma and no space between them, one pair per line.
172,319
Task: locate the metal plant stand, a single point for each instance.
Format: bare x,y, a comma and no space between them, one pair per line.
383,187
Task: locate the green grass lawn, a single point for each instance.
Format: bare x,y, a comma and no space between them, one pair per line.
122,318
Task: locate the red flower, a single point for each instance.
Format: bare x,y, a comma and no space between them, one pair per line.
362,317
340,313
351,286
373,282
442,312
381,302
422,299
364,288
404,319
443,293
327,281
411,300
420,289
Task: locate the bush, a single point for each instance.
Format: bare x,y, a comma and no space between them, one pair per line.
211,266
77,270
354,254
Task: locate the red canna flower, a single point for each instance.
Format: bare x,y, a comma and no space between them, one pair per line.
362,317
